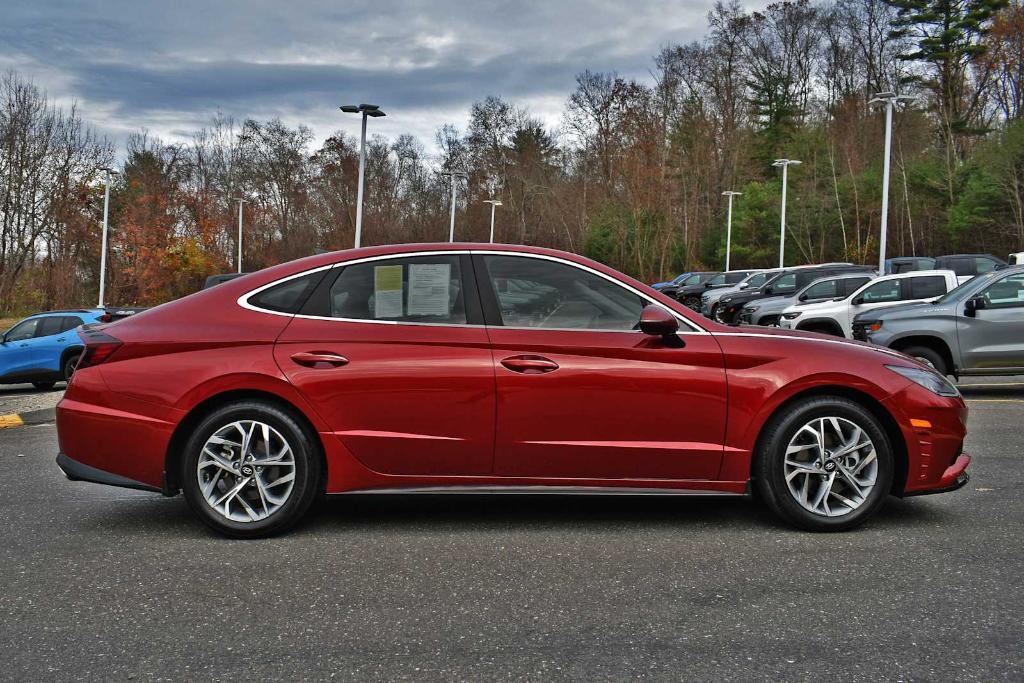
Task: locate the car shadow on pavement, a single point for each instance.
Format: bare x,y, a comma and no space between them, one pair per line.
471,513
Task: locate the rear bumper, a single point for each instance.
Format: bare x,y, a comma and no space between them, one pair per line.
77,471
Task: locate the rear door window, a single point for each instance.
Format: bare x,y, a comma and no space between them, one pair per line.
70,322
49,326
926,287
413,289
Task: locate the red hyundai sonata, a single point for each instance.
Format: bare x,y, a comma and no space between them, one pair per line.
462,367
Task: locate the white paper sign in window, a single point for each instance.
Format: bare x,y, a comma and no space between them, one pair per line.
429,288
387,292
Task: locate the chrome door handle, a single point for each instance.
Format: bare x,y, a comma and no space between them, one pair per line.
530,365
319,359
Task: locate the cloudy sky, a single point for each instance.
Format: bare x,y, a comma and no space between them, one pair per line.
170,66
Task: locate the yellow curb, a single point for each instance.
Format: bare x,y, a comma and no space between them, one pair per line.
10,420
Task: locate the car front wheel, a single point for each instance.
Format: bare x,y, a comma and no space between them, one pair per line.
250,469
824,464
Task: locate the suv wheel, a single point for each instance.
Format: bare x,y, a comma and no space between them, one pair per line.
250,470
929,357
824,464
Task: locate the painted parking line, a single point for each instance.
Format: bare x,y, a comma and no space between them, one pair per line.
993,384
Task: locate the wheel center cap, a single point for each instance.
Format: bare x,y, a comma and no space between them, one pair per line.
246,470
830,466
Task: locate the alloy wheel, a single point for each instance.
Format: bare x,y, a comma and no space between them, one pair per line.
246,471
831,466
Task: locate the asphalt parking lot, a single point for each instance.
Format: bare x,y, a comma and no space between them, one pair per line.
100,583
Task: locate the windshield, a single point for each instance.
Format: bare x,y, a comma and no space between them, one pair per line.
718,279
693,279
679,278
756,280
954,294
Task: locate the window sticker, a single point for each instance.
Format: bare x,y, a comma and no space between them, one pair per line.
387,292
429,288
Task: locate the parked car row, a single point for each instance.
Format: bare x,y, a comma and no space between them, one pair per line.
961,314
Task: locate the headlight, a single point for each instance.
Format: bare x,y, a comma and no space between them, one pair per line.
792,316
929,379
749,309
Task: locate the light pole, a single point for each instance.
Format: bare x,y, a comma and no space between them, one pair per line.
103,247
890,99
366,110
728,230
241,201
784,163
454,175
494,204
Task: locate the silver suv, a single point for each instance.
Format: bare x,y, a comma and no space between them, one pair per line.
976,329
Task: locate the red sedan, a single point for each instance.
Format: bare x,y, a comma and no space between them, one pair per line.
436,368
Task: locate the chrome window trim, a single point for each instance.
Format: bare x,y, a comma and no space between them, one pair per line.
243,300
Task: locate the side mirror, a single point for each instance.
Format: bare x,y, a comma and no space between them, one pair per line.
802,297
972,306
857,300
744,285
657,322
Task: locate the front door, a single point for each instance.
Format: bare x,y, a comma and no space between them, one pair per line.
581,393
17,355
994,337
398,363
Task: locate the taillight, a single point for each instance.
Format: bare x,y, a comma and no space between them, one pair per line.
99,347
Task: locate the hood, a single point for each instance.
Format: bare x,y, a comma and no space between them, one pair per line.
770,301
820,338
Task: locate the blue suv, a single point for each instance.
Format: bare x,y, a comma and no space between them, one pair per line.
43,349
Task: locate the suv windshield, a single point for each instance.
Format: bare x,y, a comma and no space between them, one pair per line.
756,280
954,294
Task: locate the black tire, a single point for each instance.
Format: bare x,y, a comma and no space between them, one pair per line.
70,363
769,474
309,474
43,386
929,356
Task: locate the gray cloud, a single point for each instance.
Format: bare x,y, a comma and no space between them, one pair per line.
169,67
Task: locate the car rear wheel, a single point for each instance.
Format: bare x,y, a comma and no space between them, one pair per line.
824,464
250,470
929,357
69,366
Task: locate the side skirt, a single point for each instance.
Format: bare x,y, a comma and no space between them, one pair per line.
543,490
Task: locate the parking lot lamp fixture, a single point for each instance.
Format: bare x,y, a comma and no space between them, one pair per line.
785,164
454,176
494,204
890,100
728,222
366,110
241,201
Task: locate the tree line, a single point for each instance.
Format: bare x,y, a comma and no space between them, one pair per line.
632,175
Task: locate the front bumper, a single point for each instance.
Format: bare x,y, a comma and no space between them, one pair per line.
955,477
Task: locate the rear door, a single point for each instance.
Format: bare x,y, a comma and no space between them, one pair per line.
50,342
393,355
582,394
994,337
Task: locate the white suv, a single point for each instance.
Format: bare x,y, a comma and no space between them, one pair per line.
836,315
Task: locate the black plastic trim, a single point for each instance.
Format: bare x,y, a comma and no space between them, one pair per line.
960,482
76,471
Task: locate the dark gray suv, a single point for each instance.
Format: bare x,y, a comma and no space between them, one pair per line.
976,329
